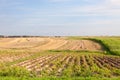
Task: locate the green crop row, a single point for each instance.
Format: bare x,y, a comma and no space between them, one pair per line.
72,65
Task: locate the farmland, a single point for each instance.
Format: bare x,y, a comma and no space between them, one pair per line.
60,58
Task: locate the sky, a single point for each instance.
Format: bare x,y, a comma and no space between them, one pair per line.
60,17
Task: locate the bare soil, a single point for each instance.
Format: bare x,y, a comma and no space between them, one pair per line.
48,44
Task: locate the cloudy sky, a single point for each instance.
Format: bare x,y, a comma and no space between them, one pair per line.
60,17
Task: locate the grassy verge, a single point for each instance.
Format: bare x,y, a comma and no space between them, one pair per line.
57,78
110,44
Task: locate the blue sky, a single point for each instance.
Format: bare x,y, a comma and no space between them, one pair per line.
60,17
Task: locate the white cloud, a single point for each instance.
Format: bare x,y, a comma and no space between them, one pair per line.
107,8
115,2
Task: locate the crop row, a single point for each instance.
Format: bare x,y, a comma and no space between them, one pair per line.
73,65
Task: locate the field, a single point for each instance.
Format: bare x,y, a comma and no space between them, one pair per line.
60,58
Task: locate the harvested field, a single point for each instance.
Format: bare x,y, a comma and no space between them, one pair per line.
21,42
81,45
13,57
48,44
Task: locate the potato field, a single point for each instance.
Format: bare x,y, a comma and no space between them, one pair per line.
61,58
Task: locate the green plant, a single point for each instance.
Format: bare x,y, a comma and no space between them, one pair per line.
14,71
